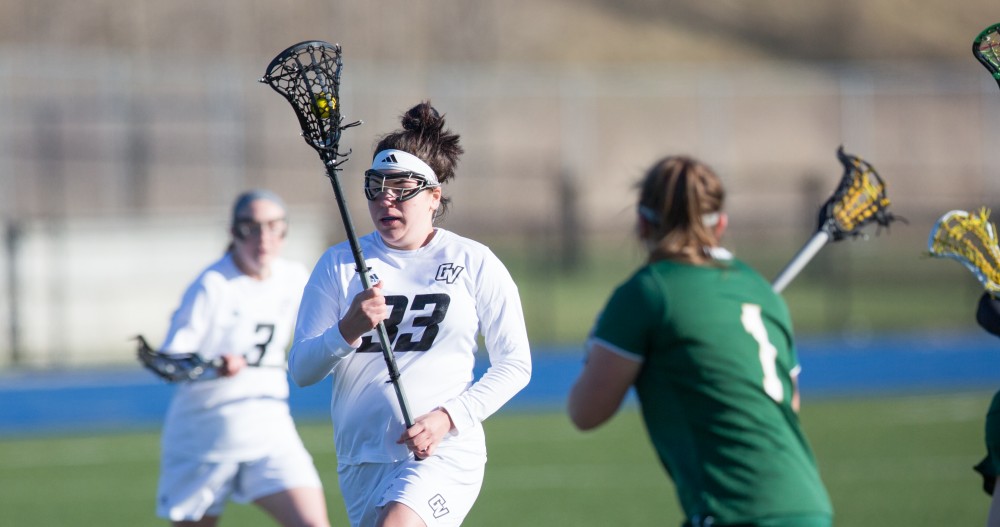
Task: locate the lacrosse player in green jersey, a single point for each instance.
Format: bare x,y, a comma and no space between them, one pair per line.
988,317
708,346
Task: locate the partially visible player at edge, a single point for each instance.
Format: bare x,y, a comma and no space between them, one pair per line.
988,317
232,437
436,292
707,344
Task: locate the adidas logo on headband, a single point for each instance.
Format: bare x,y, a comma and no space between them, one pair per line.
392,159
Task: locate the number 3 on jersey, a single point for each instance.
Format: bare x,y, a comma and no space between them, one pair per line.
438,306
768,354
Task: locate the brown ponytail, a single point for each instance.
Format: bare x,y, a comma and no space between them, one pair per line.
676,196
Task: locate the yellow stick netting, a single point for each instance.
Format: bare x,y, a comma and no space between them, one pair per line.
971,239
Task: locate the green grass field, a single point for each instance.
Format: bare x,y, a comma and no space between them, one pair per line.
890,460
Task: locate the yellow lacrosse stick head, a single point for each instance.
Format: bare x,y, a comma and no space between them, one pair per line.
969,238
863,199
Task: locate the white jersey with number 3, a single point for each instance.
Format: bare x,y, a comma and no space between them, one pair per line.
223,312
442,297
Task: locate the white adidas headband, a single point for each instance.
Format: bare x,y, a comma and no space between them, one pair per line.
710,219
392,159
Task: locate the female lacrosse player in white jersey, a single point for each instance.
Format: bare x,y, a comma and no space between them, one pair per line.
436,292
232,437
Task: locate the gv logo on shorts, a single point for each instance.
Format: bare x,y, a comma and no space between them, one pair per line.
438,506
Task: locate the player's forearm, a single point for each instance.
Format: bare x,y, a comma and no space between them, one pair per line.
311,359
602,386
498,385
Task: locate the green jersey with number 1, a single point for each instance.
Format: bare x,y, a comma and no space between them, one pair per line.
716,388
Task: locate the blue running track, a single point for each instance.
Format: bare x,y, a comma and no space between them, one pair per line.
82,401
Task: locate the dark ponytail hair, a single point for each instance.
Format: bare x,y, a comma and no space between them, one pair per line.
676,196
424,135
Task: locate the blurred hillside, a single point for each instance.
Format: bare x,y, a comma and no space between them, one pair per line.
546,31
127,127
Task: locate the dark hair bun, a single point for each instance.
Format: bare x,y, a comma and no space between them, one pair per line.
423,119
424,135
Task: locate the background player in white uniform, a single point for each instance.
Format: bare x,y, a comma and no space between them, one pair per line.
232,437
436,292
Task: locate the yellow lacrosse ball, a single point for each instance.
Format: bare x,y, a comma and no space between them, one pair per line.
323,104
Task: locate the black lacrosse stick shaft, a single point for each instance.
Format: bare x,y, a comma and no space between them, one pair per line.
308,76
363,271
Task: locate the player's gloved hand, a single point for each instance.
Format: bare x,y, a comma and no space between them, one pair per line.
988,313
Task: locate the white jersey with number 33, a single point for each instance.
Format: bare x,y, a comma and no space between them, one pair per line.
441,297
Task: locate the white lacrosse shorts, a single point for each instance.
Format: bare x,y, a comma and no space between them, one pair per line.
190,489
439,490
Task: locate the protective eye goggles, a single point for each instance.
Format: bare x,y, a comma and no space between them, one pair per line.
245,228
400,186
